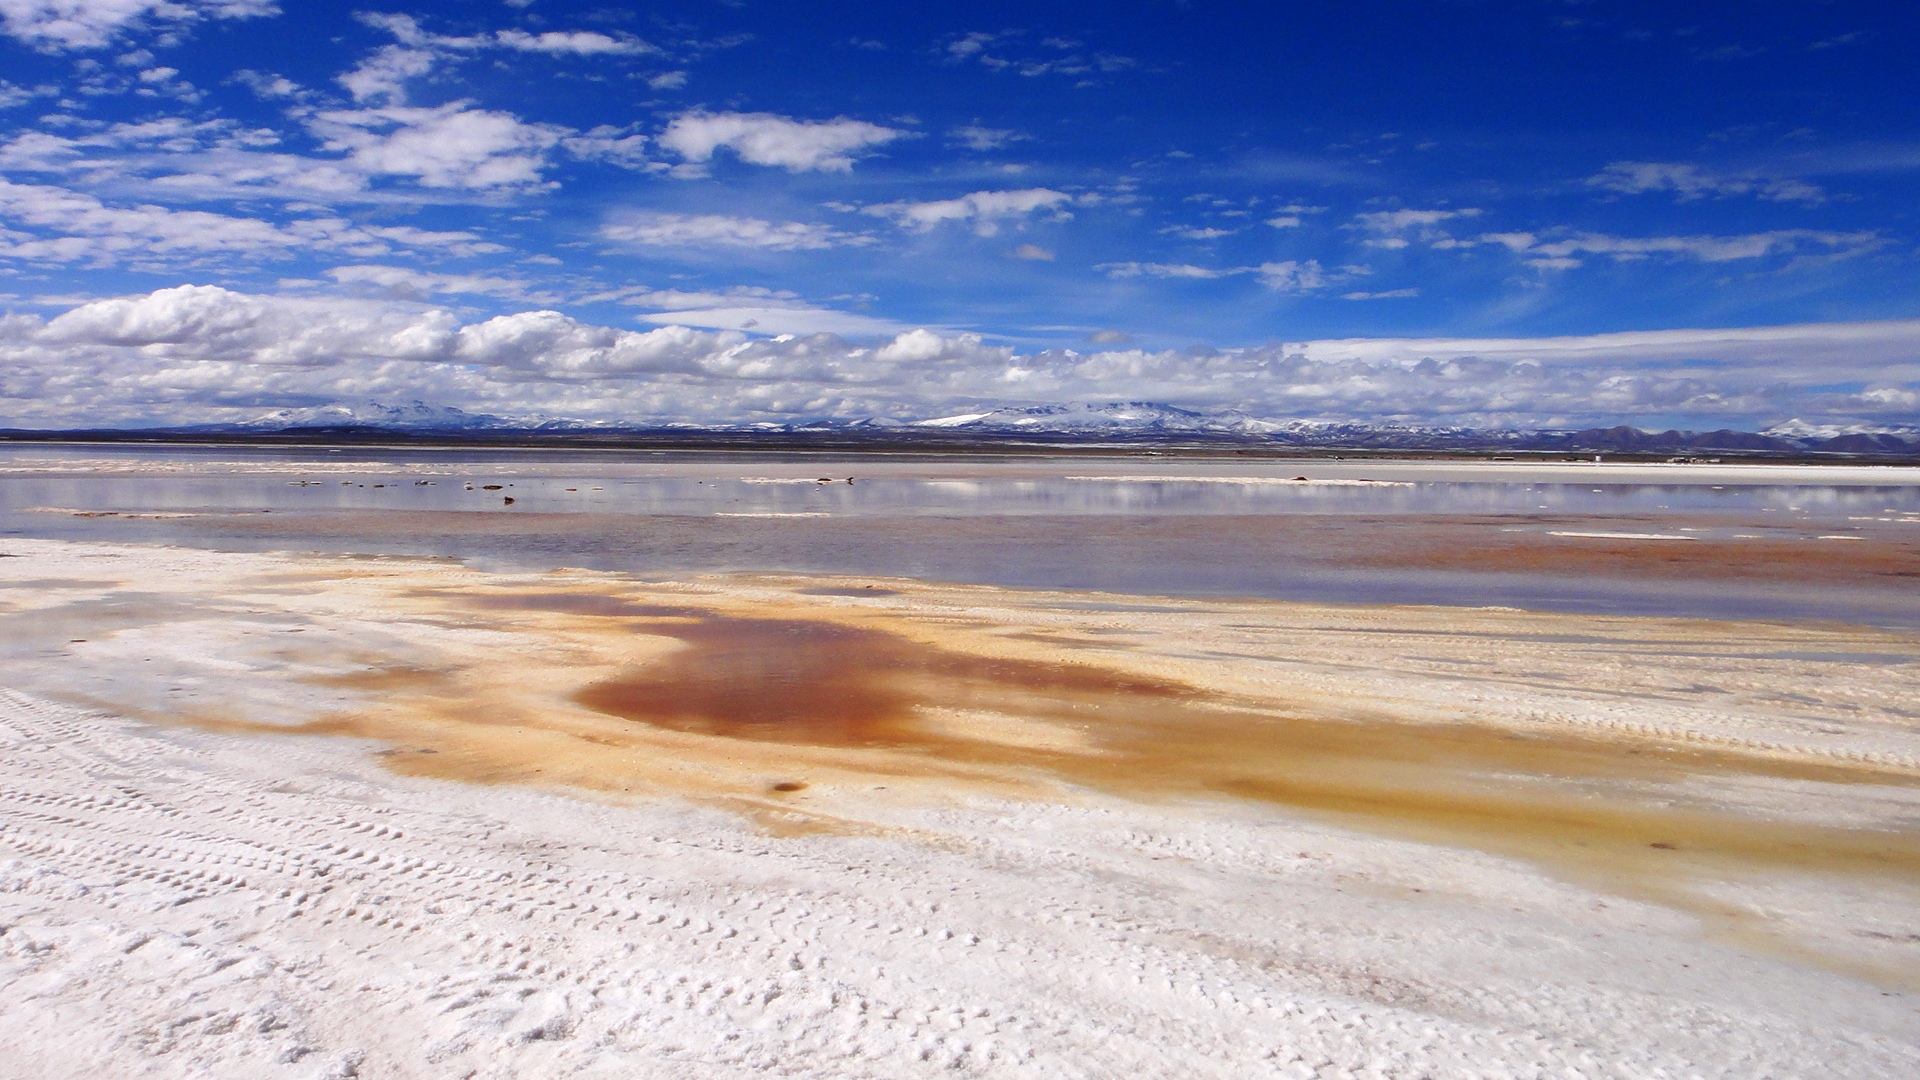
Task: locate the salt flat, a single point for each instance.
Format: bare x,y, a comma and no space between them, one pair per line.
323,815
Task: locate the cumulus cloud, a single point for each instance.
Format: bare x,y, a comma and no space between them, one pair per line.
1031,253
202,353
720,230
452,146
766,139
1688,182
984,208
58,25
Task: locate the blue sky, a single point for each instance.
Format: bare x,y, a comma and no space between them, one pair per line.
1523,212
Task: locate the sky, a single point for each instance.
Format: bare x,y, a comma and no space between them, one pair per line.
1490,213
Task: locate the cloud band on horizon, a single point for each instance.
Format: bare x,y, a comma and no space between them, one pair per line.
207,354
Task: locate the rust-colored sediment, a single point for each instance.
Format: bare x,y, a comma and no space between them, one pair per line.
795,704
740,704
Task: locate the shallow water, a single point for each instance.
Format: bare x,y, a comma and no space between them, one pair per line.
1779,542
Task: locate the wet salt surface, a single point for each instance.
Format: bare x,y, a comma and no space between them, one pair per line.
1578,537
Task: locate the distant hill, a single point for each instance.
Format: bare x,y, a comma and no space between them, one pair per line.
1060,424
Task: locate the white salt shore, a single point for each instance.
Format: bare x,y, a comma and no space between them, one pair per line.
180,898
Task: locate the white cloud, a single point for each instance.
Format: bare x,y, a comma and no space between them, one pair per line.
1031,253
452,146
756,309
382,77
984,208
73,227
731,297
453,152
1289,276
719,230
406,284
202,353
766,139
1292,276
968,45
1191,232
777,319
1056,56
550,343
975,137
920,347
1397,229
457,243
55,25
13,95
1168,270
573,43
619,146
1689,182
1401,220
407,30
174,158
266,85
197,323
1390,294
1562,253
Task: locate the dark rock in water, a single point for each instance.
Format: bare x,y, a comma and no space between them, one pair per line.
508,500
489,487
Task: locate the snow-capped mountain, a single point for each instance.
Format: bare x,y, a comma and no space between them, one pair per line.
1127,416
1800,429
1096,422
413,416
1120,417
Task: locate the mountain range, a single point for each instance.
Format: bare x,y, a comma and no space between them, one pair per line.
1068,423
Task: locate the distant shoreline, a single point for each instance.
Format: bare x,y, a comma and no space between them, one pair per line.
923,442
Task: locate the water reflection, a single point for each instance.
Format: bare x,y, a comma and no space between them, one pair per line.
1565,537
